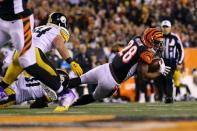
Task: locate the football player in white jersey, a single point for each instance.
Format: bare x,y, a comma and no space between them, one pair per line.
52,35
27,88
138,54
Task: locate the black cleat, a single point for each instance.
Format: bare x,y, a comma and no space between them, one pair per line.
169,100
39,103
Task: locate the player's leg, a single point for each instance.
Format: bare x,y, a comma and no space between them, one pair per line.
13,70
44,71
152,95
143,86
21,36
169,88
187,88
177,90
20,32
160,84
90,77
105,88
4,37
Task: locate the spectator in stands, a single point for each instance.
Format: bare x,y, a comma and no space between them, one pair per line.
86,63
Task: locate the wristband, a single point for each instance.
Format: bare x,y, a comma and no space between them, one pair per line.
69,60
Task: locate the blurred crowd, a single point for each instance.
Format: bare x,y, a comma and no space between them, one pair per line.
98,28
100,25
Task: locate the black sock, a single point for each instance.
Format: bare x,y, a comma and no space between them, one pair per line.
83,100
3,84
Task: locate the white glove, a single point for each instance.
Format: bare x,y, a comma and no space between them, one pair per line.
164,70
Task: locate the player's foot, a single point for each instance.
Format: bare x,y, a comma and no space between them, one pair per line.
66,100
10,101
11,98
142,98
3,95
40,103
152,98
49,93
61,108
169,100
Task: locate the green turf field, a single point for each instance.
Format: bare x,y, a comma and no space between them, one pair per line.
183,109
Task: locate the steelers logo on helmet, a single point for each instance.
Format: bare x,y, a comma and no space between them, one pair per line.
59,20
63,19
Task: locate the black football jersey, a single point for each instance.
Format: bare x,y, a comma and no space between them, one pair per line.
124,64
13,9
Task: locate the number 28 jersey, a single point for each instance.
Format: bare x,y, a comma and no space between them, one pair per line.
124,64
43,37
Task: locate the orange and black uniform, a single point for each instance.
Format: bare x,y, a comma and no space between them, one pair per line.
123,68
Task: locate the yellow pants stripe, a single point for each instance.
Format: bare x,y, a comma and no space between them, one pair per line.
44,65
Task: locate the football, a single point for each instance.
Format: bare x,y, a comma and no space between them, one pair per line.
154,66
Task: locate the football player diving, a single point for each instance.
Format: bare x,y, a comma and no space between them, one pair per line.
137,55
27,88
52,35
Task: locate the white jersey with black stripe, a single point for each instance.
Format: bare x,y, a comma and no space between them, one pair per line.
27,88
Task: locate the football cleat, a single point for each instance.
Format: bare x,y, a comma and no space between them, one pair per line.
61,108
49,93
39,103
11,100
65,101
169,100
3,95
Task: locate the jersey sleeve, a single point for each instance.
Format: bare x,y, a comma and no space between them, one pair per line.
146,56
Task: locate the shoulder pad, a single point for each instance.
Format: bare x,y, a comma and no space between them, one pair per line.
147,56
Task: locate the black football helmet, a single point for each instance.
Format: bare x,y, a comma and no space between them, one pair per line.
58,19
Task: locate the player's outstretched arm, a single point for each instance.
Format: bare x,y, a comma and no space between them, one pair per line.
58,43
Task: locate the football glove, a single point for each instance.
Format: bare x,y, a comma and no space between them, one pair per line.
164,70
76,68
